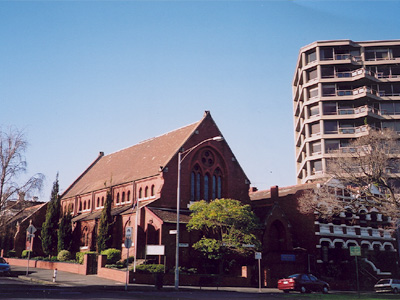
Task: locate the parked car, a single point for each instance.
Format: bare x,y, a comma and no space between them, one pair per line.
387,286
303,283
4,267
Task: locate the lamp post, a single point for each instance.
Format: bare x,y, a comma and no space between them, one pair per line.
178,201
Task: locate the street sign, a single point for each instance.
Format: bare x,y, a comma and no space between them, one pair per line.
183,245
248,246
174,231
128,243
128,232
355,251
31,229
257,255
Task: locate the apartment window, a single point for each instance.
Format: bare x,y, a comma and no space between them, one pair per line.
123,197
88,204
316,148
326,53
314,110
316,166
98,201
312,74
128,199
311,57
315,129
152,190
140,193
329,108
328,90
330,127
327,72
377,54
332,145
146,192
102,201
117,198
312,93
387,108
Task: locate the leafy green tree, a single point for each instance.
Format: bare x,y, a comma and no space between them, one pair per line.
65,233
50,225
104,239
226,225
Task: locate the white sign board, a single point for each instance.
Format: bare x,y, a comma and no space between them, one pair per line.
155,250
128,232
183,245
257,255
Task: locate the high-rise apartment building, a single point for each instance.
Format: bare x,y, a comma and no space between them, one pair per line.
341,90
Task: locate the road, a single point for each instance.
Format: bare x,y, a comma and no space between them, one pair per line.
14,288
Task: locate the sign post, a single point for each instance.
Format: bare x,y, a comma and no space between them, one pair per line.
356,251
31,234
258,257
128,244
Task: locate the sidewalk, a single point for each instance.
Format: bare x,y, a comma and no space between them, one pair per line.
66,279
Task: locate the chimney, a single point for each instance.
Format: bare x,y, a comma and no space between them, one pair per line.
274,193
21,196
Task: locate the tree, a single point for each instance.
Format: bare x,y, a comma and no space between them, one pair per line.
104,239
12,164
226,226
366,174
50,225
65,232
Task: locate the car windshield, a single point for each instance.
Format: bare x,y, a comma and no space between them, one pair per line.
294,276
384,281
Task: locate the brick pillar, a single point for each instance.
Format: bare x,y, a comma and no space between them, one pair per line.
102,260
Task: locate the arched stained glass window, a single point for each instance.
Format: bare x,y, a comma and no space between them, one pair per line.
206,187
192,186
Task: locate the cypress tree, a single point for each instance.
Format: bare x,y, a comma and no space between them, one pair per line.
65,233
104,240
50,225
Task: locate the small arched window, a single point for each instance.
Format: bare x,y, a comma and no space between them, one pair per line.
146,192
80,205
123,197
102,201
98,201
84,205
140,193
128,199
88,204
117,198
152,190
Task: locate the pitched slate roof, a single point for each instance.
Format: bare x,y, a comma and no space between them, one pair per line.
169,216
283,191
133,163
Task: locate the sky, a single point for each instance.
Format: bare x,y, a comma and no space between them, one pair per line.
80,77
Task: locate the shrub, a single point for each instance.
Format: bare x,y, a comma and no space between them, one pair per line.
151,268
25,253
129,260
64,255
113,255
79,257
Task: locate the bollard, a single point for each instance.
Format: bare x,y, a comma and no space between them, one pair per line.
55,275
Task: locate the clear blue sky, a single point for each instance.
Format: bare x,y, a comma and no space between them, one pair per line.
81,77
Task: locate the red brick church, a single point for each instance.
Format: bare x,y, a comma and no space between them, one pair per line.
145,176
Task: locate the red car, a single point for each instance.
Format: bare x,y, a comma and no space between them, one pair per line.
303,283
